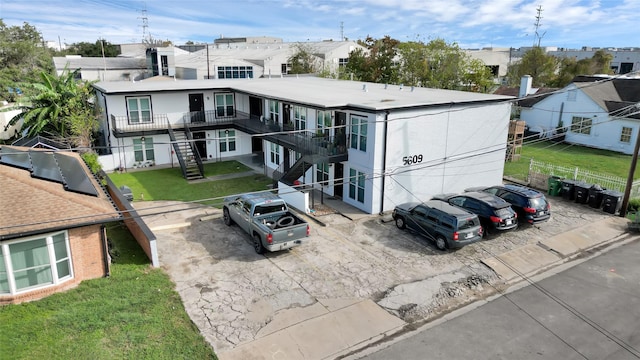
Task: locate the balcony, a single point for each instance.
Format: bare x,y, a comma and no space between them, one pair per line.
305,142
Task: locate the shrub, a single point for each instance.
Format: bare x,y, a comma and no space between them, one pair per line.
634,205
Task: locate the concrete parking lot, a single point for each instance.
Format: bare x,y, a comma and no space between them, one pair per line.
360,267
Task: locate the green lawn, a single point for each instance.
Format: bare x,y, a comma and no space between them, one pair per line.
168,184
133,314
599,161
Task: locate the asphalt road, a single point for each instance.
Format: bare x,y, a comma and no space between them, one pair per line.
590,311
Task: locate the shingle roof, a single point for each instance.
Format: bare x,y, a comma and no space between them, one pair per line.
31,205
614,95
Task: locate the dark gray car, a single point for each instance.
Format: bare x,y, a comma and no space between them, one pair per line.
447,226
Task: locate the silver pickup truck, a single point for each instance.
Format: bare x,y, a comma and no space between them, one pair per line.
267,219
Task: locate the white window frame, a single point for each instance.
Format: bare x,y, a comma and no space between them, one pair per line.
274,110
142,114
625,134
9,272
322,173
225,104
274,153
228,140
324,122
359,133
235,72
300,117
581,125
144,146
357,185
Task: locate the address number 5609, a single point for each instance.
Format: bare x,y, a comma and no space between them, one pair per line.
414,159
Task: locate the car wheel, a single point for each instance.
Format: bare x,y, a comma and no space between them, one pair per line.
400,222
257,244
226,217
441,243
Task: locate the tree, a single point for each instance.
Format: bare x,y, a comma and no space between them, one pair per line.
87,49
599,63
303,61
378,64
440,65
22,57
538,64
60,106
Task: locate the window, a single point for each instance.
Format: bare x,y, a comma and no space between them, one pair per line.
139,109
626,67
224,105
143,149
571,95
285,68
356,185
359,133
34,263
342,62
322,173
625,134
235,72
165,65
274,110
227,140
300,117
323,122
274,152
581,125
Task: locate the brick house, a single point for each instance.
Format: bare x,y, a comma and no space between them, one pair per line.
52,233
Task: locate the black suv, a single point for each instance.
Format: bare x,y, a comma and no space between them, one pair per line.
446,225
530,204
494,212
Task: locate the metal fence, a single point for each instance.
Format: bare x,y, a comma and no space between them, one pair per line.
539,169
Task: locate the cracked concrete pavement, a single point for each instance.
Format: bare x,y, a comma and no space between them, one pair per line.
238,298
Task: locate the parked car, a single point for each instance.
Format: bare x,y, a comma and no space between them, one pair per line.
531,205
495,213
447,226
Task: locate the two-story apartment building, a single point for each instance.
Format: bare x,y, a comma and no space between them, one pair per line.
373,145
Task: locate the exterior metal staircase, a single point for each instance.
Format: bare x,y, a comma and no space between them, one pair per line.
188,157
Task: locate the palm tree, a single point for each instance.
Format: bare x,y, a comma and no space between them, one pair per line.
61,106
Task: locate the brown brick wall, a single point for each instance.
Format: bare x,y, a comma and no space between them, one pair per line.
87,252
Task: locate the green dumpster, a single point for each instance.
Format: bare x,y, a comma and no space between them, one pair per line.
555,185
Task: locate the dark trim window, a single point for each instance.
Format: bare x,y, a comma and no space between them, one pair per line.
139,109
359,133
227,140
625,134
300,117
224,105
274,111
323,122
235,72
322,173
356,185
35,262
581,125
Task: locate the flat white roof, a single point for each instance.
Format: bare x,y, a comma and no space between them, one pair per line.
320,92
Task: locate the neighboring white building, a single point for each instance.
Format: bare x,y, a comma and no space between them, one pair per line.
599,112
7,112
244,59
372,145
103,68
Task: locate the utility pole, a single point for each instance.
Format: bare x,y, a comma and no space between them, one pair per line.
632,170
341,30
538,24
145,22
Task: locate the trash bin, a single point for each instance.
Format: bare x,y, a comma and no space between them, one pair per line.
595,196
611,201
582,192
555,185
569,189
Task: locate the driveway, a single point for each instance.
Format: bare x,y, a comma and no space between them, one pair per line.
237,297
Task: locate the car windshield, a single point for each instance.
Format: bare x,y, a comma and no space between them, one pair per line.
504,212
468,223
538,203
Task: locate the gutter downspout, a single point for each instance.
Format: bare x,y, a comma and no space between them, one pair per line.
105,246
384,159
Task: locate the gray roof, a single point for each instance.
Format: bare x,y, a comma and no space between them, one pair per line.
313,91
99,63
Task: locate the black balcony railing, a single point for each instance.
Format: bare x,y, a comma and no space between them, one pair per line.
320,146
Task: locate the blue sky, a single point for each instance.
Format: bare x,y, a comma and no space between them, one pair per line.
470,23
